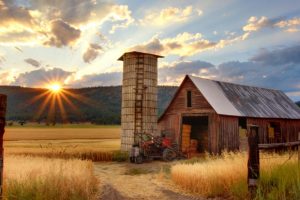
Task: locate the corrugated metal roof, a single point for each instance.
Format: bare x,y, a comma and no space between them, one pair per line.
248,101
214,95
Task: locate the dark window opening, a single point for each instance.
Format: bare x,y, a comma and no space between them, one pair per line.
189,98
243,122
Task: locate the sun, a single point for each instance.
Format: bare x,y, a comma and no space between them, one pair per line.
55,87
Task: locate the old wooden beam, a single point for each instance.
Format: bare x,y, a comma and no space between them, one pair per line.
3,100
275,145
253,160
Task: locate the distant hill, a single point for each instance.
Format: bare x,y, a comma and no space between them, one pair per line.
298,103
100,105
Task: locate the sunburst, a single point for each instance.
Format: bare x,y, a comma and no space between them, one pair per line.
55,99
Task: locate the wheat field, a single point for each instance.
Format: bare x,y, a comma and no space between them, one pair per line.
227,175
76,141
37,178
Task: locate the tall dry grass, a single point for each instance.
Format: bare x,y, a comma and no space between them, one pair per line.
35,178
83,154
225,175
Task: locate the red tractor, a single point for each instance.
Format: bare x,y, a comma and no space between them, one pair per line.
153,147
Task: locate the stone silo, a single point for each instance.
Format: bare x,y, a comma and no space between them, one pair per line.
139,97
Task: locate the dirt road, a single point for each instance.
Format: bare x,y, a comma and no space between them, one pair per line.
125,181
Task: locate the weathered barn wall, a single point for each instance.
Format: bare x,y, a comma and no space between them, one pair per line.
228,133
171,121
289,128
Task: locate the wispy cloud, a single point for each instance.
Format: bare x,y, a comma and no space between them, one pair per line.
169,15
33,62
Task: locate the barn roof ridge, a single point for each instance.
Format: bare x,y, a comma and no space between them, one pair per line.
238,84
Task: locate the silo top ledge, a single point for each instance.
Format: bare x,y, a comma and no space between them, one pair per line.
138,52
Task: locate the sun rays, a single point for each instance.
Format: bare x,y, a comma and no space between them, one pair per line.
55,101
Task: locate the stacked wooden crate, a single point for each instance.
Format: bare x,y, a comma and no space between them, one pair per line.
193,146
186,136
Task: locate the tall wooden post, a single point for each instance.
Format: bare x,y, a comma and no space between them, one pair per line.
299,149
253,160
3,100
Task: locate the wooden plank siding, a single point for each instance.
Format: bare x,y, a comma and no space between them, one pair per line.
289,128
172,119
228,133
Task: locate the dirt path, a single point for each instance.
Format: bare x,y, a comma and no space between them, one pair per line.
120,181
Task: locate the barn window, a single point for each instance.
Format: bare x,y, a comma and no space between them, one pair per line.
274,132
189,99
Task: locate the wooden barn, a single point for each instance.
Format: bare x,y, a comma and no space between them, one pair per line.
213,115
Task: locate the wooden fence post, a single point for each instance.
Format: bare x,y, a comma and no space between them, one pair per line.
3,100
299,149
253,159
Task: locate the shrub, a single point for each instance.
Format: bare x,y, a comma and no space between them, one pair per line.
120,156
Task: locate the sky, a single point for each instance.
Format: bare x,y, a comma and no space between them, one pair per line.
77,42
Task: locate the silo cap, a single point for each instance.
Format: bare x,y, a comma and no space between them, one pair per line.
138,52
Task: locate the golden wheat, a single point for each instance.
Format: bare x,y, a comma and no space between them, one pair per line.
216,175
42,178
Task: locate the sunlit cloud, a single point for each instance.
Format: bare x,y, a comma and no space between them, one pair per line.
55,23
41,77
63,34
169,15
185,44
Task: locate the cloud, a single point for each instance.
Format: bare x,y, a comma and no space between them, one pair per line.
260,70
103,79
63,34
172,74
33,62
76,12
287,23
57,23
12,15
92,53
5,78
184,44
289,55
291,24
41,77
169,15
19,49
120,13
255,24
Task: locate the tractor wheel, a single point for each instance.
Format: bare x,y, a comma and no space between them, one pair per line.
139,159
169,155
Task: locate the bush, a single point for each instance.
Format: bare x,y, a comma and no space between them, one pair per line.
120,156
